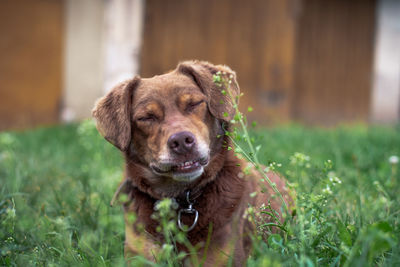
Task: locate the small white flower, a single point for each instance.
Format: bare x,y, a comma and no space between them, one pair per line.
167,247
335,180
10,212
394,159
331,174
383,200
327,190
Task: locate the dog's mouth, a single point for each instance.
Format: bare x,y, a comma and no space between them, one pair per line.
185,171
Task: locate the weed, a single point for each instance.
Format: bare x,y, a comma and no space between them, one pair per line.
56,184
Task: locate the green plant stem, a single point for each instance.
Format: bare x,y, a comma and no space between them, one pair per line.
254,160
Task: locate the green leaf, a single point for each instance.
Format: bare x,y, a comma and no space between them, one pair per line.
383,226
381,238
275,241
344,234
216,78
237,117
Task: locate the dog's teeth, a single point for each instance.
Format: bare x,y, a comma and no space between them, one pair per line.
187,164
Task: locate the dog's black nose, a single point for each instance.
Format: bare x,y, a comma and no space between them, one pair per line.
182,142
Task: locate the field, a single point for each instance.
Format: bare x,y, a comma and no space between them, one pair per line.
56,184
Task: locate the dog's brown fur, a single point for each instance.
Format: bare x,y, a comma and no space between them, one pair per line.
140,116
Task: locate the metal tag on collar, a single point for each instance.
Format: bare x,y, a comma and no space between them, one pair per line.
189,210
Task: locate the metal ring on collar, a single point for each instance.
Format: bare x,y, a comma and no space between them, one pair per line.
187,211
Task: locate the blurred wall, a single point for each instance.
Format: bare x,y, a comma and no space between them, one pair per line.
123,26
102,46
83,66
59,57
386,92
318,62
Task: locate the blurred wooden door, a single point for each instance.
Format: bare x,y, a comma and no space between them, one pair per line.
334,61
304,60
255,38
31,37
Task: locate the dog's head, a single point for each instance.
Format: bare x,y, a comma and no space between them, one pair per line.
170,123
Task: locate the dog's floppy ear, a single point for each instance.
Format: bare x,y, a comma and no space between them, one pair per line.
219,103
113,114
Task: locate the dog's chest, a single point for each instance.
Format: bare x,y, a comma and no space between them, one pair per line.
217,204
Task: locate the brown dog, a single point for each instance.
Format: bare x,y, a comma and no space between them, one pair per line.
171,131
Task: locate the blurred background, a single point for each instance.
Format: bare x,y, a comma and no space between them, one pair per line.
317,62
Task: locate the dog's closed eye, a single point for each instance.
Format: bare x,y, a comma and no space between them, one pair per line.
147,118
193,105
148,112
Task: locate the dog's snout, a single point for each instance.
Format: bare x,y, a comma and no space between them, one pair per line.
181,142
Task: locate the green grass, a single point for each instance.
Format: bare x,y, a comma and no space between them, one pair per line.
56,184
